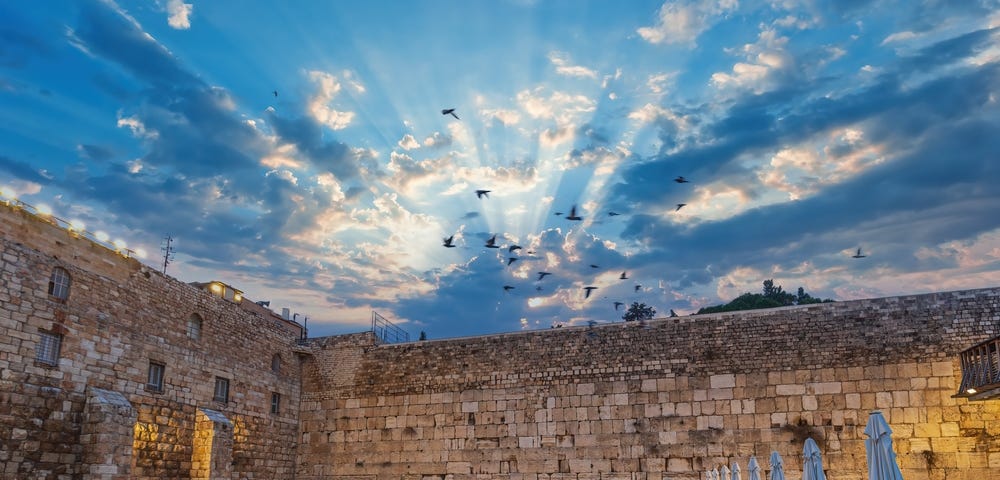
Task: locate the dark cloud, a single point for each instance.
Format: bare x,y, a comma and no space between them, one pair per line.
333,156
22,170
94,152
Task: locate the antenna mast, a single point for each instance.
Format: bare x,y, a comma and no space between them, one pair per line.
168,251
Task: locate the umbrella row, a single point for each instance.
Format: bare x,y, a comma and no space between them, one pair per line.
881,458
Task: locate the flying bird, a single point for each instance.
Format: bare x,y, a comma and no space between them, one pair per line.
542,275
679,206
858,255
594,266
447,242
618,304
483,193
492,242
613,214
680,179
511,260
623,276
572,214
558,214
638,287
513,247
275,93
588,289
507,288
450,111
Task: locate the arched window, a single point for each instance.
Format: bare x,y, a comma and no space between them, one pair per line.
276,363
59,283
194,326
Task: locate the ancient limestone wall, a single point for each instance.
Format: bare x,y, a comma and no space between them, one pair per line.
56,420
665,402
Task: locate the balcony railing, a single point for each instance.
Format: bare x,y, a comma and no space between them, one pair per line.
386,332
981,371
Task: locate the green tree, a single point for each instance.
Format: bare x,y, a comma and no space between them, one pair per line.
423,335
638,311
771,296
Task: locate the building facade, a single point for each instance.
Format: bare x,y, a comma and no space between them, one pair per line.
112,370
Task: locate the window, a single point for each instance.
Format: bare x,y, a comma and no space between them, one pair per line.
154,381
48,348
59,283
275,402
276,363
221,390
194,326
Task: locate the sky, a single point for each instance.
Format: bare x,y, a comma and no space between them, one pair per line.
298,151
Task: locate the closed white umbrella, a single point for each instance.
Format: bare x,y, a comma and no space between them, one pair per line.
881,458
724,473
736,472
777,467
812,464
753,469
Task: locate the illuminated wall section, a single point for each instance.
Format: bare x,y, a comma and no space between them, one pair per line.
213,446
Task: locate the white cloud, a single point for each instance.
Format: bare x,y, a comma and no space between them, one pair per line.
562,107
767,60
659,82
563,67
550,138
178,14
680,22
408,142
281,157
507,117
137,127
319,105
437,139
899,37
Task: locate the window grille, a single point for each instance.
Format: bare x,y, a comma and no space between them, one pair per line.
194,326
221,390
275,402
48,348
59,283
154,381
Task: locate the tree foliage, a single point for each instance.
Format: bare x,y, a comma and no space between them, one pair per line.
772,296
638,311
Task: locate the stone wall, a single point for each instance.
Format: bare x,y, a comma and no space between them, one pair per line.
55,420
665,402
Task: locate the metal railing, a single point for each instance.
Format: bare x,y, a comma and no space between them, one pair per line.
385,331
980,368
69,226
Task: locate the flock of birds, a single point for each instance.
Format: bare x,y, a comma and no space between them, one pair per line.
573,215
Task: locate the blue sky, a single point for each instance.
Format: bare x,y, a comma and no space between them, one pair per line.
807,129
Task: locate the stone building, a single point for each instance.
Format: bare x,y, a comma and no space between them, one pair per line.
111,370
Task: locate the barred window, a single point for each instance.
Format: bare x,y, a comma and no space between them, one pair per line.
275,402
221,390
48,348
59,283
154,381
194,326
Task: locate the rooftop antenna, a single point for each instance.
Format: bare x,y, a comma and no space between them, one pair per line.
168,251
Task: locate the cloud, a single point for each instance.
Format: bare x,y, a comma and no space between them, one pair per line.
681,22
563,108
437,140
94,152
505,116
320,104
408,142
768,64
178,14
24,171
561,61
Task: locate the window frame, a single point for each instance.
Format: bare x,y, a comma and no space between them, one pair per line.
275,403
195,326
60,282
223,382
46,353
155,384
276,363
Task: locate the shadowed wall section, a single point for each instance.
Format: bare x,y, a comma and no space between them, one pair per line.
665,402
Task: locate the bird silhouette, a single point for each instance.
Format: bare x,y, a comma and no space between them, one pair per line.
588,289
679,206
618,304
623,276
542,275
558,214
507,288
572,214
275,93
492,242
447,242
638,287
613,214
511,260
680,179
594,266
483,193
450,111
858,255
513,247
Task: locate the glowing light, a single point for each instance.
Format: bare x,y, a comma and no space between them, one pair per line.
140,252
237,297
43,209
119,244
215,287
77,225
971,391
535,302
524,323
8,193
101,236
